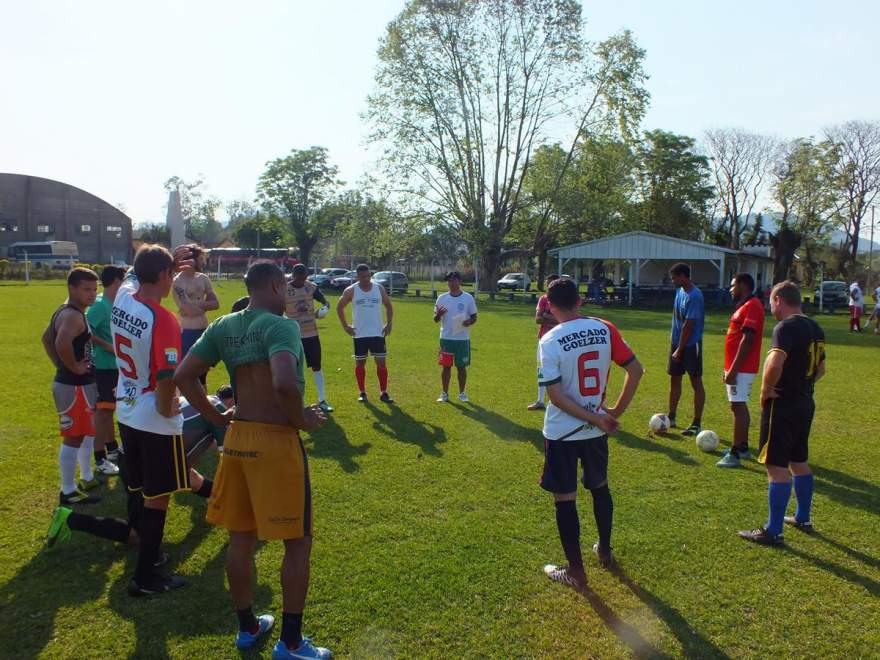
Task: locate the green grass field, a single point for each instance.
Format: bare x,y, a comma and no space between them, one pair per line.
431,530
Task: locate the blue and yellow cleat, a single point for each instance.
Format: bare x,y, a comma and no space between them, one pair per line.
245,640
305,651
58,529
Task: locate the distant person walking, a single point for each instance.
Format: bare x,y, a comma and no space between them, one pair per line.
856,304
456,311
686,354
194,296
546,321
875,315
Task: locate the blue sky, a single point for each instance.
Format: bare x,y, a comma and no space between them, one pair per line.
115,97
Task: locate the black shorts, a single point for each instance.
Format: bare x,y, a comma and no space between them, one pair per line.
691,362
312,350
105,380
375,346
155,464
195,445
785,431
561,464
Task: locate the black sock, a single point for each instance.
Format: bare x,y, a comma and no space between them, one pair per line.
247,621
100,455
151,530
696,421
135,507
205,489
570,533
291,629
603,509
111,446
107,528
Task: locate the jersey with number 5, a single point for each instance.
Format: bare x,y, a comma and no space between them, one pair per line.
578,354
146,340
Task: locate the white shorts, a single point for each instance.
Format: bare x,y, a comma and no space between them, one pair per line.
740,391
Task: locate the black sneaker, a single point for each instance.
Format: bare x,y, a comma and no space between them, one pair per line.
806,526
564,574
159,584
77,497
761,537
606,558
386,398
693,429
362,397
162,560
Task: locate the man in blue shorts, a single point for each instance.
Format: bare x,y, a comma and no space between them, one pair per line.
686,354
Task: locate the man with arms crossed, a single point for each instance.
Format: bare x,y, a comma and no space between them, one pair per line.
686,355
742,357
194,296
262,484
576,357
367,298
299,304
545,322
795,362
456,312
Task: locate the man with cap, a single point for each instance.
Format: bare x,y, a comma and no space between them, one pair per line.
456,311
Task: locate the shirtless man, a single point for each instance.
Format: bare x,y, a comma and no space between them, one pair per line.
194,296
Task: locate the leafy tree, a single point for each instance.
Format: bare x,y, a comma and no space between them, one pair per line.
294,188
198,208
156,232
260,231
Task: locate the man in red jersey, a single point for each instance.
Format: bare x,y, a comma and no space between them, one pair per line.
545,322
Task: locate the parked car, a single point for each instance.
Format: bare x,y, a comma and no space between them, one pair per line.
515,281
344,281
334,272
834,294
391,280
322,280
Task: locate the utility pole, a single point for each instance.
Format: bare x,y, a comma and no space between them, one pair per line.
871,248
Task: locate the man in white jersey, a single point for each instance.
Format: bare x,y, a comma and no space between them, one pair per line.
576,356
146,338
856,303
456,312
367,299
299,304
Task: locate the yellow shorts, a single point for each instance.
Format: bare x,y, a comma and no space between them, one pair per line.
262,483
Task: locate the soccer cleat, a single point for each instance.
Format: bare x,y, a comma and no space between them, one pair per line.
160,584
91,484
463,397
77,497
806,526
362,397
604,555
728,460
245,640
693,429
113,455
762,537
565,575
537,405
744,454
305,651
107,468
443,398
325,407
386,398
58,529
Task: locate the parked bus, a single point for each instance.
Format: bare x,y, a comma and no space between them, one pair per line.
49,254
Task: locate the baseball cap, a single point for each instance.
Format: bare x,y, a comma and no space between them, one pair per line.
452,274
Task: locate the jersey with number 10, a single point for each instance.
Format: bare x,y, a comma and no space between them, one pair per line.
146,340
578,355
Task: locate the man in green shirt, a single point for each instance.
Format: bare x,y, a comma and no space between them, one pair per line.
106,375
262,482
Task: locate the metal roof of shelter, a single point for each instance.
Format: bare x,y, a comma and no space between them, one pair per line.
641,245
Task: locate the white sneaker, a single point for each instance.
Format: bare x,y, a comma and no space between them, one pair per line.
107,468
443,398
463,397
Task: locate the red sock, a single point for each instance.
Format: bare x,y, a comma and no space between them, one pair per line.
382,373
361,375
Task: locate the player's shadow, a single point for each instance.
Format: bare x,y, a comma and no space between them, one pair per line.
330,441
847,489
502,426
640,647
871,586
845,549
645,443
403,427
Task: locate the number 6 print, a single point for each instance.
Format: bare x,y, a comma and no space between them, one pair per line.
588,379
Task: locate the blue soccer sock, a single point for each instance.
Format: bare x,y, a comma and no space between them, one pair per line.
778,494
803,491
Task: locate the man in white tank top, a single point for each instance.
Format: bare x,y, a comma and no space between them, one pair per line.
367,299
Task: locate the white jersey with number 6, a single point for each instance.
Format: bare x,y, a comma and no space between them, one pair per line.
578,355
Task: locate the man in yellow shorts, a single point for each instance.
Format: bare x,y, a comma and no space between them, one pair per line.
262,485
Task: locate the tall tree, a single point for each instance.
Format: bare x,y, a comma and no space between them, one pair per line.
294,188
857,175
740,163
259,231
199,209
466,90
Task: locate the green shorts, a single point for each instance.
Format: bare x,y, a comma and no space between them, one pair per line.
460,348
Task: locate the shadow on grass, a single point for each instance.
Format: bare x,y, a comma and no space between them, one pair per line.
847,489
640,647
501,426
872,586
855,554
652,445
331,441
403,427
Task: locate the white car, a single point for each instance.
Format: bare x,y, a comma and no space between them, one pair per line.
515,281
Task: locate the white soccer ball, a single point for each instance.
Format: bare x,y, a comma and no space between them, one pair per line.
707,441
659,423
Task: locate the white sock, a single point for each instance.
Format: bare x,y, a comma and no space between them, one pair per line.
319,383
67,463
540,394
85,458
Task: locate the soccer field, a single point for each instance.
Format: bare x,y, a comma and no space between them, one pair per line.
431,530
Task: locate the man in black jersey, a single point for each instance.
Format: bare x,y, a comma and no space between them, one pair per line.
795,362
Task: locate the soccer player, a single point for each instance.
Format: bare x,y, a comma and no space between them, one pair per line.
299,304
263,489
545,322
67,342
146,337
194,297
106,375
456,312
576,356
856,302
795,362
686,354
742,357
366,297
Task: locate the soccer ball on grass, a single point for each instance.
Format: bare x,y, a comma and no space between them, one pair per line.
658,423
707,441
